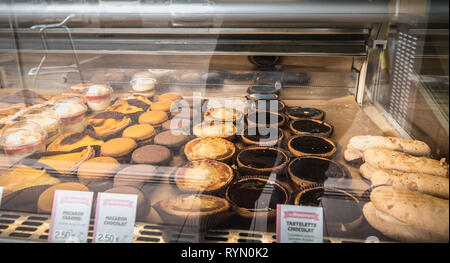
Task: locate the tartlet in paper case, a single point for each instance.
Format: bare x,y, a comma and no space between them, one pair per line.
341,208
253,196
309,170
262,160
194,210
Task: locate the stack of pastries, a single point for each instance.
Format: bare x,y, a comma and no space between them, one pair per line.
409,200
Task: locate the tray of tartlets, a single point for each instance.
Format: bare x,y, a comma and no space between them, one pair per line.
198,166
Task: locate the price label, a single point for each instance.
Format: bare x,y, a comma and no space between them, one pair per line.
115,218
106,238
299,224
70,217
1,194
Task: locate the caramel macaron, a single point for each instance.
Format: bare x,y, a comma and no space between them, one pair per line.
154,118
45,201
162,106
141,133
171,96
119,148
96,173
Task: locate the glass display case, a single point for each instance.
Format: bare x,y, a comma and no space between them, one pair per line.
214,113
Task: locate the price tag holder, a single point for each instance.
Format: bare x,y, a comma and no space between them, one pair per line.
1,194
299,224
115,218
70,217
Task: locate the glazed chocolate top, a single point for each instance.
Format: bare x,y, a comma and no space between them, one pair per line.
263,96
265,118
262,158
304,112
311,145
263,89
315,169
258,135
338,206
310,126
256,195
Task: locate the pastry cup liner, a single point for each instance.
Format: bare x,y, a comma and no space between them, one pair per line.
250,170
196,221
322,134
279,124
273,143
345,226
343,179
247,214
298,153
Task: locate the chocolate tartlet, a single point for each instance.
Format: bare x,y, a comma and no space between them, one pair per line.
209,148
264,89
194,210
303,145
107,125
310,126
295,113
265,105
308,170
259,160
177,124
266,118
262,96
256,197
341,209
208,176
262,136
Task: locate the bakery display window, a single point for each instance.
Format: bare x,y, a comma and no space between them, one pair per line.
213,115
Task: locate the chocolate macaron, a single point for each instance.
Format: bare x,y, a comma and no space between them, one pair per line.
151,154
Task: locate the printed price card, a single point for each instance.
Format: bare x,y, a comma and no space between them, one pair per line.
115,218
71,213
1,194
299,224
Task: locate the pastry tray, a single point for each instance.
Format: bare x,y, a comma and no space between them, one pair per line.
347,117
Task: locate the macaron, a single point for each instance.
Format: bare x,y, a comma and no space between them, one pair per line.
135,175
119,148
171,139
45,201
170,96
151,154
154,118
162,106
141,133
96,173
